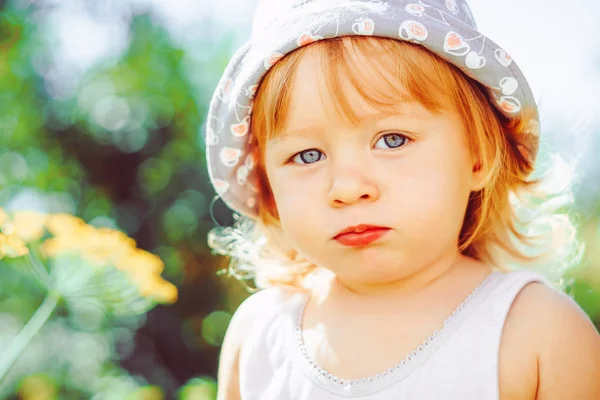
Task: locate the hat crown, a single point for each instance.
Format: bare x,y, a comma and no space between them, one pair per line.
268,11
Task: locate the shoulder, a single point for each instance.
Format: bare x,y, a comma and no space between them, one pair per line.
565,342
265,302
256,307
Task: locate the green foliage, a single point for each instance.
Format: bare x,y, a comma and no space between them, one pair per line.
122,149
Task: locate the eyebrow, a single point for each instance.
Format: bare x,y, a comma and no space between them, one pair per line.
365,119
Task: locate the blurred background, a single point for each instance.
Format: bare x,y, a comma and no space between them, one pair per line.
102,112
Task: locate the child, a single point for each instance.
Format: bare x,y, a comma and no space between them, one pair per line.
379,153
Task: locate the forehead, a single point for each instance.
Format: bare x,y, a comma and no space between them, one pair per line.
347,83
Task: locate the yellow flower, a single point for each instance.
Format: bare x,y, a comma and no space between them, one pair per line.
101,246
28,225
59,245
15,233
64,224
106,246
164,292
141,259
12,247
157,289
151,285
68,241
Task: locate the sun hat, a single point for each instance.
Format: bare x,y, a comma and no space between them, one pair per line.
445,27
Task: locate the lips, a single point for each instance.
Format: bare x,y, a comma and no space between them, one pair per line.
360,235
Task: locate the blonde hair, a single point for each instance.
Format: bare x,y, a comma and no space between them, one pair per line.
497,228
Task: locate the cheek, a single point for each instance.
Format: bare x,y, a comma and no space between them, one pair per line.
294,199
293,191
305,235
296,213
437,191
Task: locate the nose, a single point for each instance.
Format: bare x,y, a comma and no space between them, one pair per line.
352,188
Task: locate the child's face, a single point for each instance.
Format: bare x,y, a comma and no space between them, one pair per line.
411,171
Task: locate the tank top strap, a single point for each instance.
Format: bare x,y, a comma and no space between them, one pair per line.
264,353
473,349
501,298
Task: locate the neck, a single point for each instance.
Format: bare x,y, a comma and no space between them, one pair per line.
406,287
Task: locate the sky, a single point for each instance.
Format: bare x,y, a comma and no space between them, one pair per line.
555,45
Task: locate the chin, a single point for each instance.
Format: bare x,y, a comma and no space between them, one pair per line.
375,271
369,278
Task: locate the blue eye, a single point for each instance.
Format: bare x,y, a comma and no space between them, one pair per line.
308,157
391,141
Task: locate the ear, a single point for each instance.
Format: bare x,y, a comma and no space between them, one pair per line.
478,175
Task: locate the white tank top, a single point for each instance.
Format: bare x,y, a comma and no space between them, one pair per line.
457,362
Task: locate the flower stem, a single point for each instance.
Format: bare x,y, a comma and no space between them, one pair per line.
27,333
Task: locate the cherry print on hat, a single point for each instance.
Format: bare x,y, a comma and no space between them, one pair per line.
221,186
224,91
502,57
241,128
454,44
474,60
364,26
413,31
272,60
509,104
452,6
307,38
242,175
211,137
508,85
251,91
229,156
444,27
375,5
415,9
249,163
